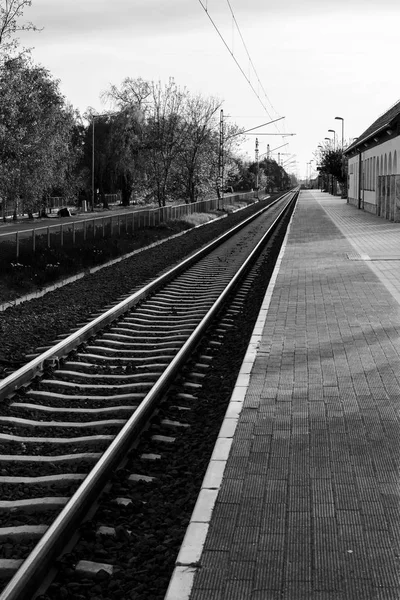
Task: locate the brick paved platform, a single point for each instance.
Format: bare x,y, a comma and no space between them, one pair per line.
301,500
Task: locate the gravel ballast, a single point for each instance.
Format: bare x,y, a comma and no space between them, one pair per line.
25,327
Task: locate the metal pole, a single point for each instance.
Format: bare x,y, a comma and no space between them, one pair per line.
221,157
341,119
93,162
334,137
257,167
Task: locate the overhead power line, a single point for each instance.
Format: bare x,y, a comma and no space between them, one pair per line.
249,57
205,8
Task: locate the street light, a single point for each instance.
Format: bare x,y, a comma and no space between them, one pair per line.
328,139
334,137
341,119
343,167
309,174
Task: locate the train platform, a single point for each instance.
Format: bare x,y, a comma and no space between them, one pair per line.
301,500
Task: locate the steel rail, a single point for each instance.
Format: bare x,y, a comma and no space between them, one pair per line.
30,575
33,368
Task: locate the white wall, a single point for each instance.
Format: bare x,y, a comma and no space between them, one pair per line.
383,159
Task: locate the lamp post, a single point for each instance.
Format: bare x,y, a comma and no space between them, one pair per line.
93,121
309,173
321,178
344,182
331,177
334,137
341,119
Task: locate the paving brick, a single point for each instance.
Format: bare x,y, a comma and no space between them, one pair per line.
238,589
309,504
241,571
210,579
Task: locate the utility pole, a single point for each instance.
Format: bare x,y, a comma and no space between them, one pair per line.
221,158
257,167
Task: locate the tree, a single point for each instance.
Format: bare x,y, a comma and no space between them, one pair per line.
133,93
239,176
132,101
277,178
36,149
200,125
332,170
171,147
332,164
126,135
10,13
166,133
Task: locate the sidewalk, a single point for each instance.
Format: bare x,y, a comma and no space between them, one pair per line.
301,500
23,223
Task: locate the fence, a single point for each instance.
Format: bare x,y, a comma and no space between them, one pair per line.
74,232
52,203
388,197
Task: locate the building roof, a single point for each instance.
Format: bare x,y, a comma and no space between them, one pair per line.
381,122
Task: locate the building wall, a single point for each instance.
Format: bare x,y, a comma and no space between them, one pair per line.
364,171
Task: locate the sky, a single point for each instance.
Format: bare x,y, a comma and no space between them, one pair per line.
307,61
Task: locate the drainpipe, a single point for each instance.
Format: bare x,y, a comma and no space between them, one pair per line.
359,179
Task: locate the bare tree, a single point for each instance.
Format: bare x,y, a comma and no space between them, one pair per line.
132,93
167,133
11,12
195,151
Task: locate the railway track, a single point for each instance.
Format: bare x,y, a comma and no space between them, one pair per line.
70,416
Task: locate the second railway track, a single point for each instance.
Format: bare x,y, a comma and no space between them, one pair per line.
77,421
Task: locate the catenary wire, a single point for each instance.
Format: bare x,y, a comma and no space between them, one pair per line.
234,58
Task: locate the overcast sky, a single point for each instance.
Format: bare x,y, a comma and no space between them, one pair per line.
315,59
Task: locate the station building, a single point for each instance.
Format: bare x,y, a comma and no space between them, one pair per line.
374,167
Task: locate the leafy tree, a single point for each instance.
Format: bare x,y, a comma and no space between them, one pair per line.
332,164
276,176
36,149
240,177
